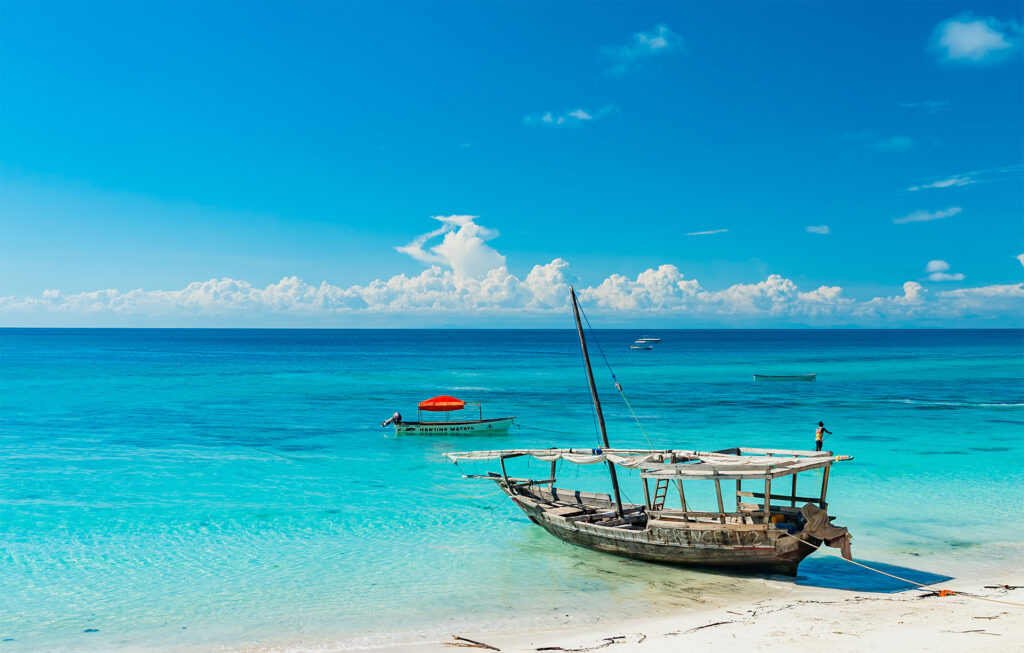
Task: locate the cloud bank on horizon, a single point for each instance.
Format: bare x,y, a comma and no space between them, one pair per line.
468,277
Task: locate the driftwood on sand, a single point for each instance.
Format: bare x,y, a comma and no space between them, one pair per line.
469,643
607,641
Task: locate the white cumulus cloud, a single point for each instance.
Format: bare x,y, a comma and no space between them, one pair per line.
654,289
971,39
569,118
626,58
1008,290
928,106
707,233
463,248
818,229
888,144
956,180
973,177
938,271
925,216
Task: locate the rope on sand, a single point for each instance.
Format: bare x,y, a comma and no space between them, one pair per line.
939,592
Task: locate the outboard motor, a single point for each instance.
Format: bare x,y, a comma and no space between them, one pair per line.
394,419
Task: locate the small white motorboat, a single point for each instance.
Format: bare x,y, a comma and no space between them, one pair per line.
785,377
446,404
640,346
646,340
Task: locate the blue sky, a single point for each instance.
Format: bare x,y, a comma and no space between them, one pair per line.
152,146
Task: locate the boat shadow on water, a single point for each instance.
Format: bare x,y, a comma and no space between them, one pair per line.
833,573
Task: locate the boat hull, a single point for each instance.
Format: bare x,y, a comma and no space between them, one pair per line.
470,427
755,550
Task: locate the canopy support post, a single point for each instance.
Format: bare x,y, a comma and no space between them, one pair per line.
597,401
824,488
682,498
718,494
504,474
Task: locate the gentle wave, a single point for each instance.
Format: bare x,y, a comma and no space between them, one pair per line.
956,404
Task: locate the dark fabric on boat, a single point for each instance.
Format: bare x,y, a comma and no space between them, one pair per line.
818,526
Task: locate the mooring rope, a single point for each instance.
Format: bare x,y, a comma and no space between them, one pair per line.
537,428
940,592
291,458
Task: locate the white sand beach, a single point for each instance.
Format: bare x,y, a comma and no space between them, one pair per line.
803,619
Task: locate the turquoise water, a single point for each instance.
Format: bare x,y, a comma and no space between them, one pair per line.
221,488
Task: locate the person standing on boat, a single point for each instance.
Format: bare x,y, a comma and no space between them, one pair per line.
819,435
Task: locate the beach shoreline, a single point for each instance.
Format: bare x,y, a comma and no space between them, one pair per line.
801,619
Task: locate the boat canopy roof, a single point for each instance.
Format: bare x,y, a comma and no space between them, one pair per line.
736,463
442,404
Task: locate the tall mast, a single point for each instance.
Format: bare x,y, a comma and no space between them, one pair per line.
597,401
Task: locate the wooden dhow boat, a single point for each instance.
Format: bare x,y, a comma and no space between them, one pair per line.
766,531
760,530
446,404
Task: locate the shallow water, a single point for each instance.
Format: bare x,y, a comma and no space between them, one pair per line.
219,487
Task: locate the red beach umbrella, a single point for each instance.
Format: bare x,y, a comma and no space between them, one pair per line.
441,404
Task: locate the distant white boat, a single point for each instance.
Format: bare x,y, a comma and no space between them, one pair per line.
646,340
640,346
785,377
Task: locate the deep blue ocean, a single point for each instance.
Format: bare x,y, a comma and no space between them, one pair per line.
166,489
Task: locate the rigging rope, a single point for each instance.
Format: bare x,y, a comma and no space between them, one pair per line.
449,493
941,592
634,415
618,386
537,428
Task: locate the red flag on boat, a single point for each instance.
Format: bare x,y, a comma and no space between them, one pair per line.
442,403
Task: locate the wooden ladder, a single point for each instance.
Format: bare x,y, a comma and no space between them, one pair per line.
660,492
